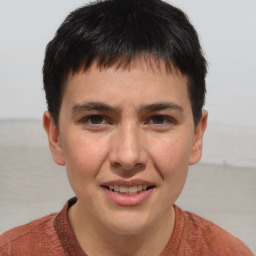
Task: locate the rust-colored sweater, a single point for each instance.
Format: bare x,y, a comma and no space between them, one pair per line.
53,236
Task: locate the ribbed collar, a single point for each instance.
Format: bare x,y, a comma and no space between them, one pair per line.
72,247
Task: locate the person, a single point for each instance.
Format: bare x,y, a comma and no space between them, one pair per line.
125,88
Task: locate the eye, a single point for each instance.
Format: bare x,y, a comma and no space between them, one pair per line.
160,121
94,120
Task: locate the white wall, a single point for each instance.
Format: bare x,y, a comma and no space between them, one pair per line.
26,27
227,30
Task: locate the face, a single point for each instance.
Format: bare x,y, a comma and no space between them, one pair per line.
126,138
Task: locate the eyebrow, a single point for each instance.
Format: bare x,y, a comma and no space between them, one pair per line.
99,106
162,106
93,106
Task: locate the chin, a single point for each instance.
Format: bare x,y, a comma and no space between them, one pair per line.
128,225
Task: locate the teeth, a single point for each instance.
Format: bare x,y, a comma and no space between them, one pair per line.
128,190
123,189
133,189
144,187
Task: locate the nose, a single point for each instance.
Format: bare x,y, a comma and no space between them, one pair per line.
128,148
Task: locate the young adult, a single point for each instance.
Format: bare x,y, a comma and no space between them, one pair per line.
125,87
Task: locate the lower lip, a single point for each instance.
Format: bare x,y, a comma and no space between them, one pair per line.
125,200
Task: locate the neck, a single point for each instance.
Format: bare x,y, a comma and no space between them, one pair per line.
102,241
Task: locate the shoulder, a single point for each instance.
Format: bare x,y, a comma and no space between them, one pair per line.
207,237
31,237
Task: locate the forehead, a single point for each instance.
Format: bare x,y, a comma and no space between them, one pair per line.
141,80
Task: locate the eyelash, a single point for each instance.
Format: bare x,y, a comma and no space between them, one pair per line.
88,120
167,121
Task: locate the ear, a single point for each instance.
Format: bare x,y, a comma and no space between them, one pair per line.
197,148
53,138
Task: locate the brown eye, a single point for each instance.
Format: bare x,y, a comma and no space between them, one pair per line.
96,119
96,123
160,122
158,119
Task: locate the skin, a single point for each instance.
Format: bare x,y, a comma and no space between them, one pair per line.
133,138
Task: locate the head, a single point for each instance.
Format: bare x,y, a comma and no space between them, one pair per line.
124,82
118,32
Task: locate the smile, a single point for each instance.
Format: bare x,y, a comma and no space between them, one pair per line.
128,192
132,190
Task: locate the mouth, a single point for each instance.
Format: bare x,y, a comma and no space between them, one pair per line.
129,190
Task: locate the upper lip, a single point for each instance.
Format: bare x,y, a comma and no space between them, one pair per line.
127,183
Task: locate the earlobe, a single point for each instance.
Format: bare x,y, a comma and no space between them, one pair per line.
197,147
53,138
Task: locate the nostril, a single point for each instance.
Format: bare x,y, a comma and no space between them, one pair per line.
128,157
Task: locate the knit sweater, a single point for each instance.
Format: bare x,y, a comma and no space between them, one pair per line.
52,235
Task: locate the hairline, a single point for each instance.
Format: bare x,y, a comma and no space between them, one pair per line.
151,61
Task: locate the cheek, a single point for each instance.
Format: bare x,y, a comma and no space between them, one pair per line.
83,155
84,158
170,154
171,160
